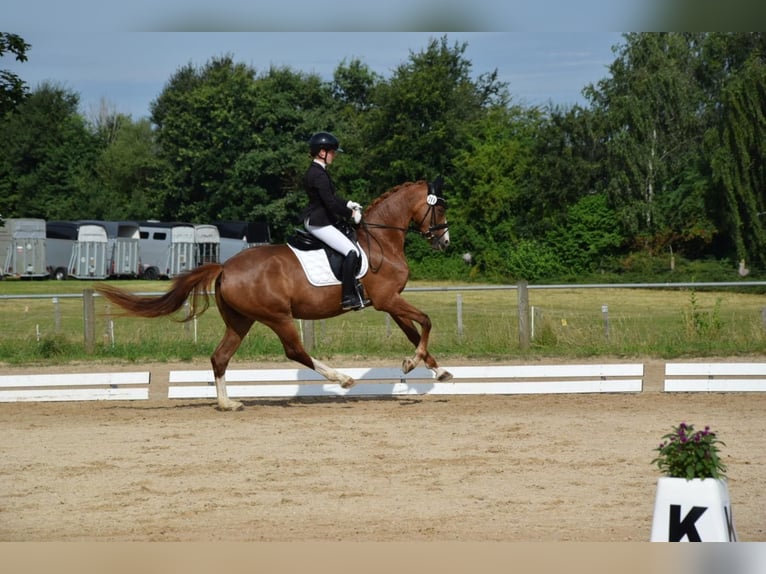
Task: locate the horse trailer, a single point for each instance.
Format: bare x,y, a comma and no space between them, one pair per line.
76,249
166,249
22,248
239,235
207,241
122,247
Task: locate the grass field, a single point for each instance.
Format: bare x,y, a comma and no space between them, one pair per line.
568,323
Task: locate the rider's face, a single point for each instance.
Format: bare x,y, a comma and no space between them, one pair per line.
329,155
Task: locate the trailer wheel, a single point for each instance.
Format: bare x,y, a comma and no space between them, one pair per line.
59,274
151,273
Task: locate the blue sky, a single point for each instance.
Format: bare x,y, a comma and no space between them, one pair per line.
128,69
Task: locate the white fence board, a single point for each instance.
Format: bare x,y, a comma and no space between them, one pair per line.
537,379
719,377
75,387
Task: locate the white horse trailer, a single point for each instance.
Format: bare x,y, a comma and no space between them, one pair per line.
90,252
166,249
122,248
208,243
182,250
76,249
239,235
22,248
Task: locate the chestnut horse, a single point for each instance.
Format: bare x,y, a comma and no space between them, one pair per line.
267,284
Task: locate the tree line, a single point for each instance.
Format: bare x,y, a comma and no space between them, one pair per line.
667,160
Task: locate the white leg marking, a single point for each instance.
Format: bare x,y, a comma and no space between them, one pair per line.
441,374
331,374
224,402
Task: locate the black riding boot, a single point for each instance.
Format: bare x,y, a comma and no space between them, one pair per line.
351,297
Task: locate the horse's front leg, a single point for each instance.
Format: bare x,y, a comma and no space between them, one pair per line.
405,315
331,374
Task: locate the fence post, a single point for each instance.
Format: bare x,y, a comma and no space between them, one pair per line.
56,316
523,315
308,335
89,320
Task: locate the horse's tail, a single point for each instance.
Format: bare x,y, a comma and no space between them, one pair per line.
194,283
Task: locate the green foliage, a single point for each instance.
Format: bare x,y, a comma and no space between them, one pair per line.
424,113
126,172
532,261
591,233
686,453
50,347
13,89
667,162
46,157
737,150
700,322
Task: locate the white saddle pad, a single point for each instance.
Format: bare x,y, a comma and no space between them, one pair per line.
316,266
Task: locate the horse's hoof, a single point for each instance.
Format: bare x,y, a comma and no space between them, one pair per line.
443,376
407,365
231,406
347,384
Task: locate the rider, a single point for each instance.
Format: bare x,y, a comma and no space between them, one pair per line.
326,208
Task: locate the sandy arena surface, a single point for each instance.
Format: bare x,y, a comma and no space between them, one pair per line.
430,468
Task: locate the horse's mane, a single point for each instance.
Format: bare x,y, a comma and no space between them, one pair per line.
392,191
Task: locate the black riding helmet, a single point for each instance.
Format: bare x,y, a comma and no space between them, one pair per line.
323,141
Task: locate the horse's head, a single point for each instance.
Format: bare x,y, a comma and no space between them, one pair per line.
431,216
417,207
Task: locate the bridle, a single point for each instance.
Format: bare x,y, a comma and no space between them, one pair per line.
432,200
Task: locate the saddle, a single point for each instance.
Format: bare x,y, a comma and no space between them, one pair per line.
308,249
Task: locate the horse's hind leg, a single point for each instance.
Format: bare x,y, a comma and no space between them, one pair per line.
294,350
237,327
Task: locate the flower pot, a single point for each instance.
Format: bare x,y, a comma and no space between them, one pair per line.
696,510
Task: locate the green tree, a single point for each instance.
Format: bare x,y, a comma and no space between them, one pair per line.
738,160
46,157
353,88
126,171
569,152
421,116
590,234
486,196
290,107
235,144
12,88
203,127
651,107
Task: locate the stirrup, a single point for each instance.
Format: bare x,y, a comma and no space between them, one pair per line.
352,304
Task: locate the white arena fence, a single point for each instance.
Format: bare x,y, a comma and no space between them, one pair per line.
476,380
382,382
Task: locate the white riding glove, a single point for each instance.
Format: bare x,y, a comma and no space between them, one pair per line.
352,205
356,215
